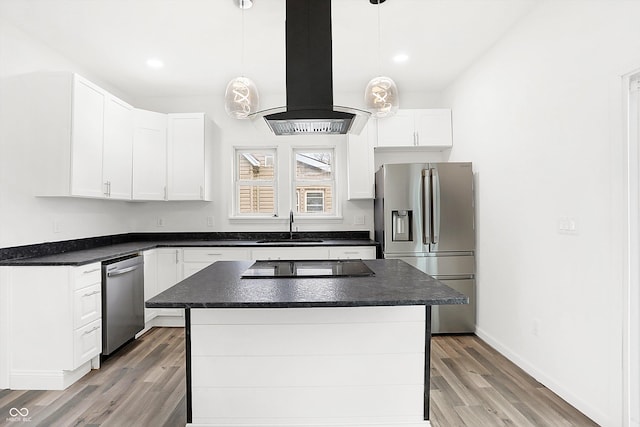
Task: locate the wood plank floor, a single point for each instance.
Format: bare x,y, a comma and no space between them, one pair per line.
144,385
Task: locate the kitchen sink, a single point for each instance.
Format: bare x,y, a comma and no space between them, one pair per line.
294,240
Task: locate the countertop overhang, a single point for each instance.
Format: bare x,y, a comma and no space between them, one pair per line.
220,286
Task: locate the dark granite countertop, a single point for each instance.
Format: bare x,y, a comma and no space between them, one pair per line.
111,251
220,286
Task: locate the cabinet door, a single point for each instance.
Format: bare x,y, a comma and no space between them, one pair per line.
150,281
360,163
87,305
168,274
87,132
118,145
397,130
149,155
186,157
433,128
87,343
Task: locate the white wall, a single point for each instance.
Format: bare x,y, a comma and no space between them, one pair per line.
540,115
25,219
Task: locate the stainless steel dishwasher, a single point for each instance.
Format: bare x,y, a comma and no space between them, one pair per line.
122,301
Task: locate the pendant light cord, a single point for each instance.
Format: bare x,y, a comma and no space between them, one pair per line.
379,54
242,43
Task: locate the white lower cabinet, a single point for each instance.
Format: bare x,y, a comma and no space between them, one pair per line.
162,270
352,252
276,253
55,324
195,259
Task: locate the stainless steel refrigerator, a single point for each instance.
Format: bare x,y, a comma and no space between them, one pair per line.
424,215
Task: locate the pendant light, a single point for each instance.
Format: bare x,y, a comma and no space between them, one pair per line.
241,95
381,94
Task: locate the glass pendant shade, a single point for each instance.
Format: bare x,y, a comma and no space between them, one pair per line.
381,96
241,98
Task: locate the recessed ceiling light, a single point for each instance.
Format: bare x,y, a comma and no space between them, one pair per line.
154,63
401,57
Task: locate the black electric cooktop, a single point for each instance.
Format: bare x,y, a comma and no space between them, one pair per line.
307,268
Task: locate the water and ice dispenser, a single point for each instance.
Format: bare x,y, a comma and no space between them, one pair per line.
402,226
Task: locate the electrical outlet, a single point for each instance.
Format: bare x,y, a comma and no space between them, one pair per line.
567,225
535,327
57,226
210,221
358,220
160,222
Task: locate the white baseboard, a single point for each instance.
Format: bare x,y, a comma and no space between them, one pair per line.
163,321
545,379
46,380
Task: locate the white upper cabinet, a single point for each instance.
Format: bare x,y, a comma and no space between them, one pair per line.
149,155
397,130
117,149
360,163
425,128
189,157
83,138
87,135
433,128
89,143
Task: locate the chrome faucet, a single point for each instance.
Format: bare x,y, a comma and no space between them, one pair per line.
291,224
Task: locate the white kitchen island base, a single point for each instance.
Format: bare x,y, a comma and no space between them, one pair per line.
334,366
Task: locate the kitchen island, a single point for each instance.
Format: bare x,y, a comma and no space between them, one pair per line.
304,351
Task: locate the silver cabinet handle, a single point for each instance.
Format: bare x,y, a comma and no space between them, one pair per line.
91,293
351,252
91,330
177,260
91,271
214,254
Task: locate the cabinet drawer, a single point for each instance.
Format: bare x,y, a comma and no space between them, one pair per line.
287,253
352,252
215,254
87,305
87,275
87,342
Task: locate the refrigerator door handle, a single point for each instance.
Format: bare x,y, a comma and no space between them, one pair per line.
426,206
436,206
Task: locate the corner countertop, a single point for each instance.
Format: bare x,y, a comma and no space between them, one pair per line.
220,286
111,251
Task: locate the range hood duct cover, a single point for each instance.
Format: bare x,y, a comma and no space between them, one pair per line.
309,79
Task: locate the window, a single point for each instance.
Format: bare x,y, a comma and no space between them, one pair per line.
255,182
314,181
315,201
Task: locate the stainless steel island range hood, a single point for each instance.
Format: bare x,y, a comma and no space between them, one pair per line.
309,78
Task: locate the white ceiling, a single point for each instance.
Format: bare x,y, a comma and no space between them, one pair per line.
200,41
